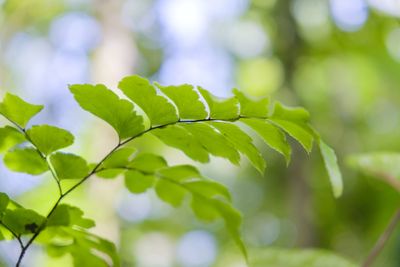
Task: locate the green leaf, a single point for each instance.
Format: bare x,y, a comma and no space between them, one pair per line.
159,110
119,158
69,166
85,248
17,110
294,121
22,221
382,165
297,258
137,182
49,138
147,162
252,107
221,108
179,173
207,188
332,167
67,215
9,137
170,192
109,173
272,136
187,100
213,142
242,142
27,160
105,104
4,200
178,137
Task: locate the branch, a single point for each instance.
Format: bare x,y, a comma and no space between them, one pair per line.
14,234
379,245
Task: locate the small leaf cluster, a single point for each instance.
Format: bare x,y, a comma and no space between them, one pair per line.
184,117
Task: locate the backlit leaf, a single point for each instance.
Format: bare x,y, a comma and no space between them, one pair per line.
187,100
17,110
10,137
215,143
141,92
221,108
183,140
49,138
105,104
332,167
119,158
252,107
148,162
26,160
69,166
272,136
137,182
242,142
22,221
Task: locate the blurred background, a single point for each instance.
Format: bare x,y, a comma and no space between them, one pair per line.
340,59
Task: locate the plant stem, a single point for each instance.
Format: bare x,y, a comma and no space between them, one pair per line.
379,245
94,170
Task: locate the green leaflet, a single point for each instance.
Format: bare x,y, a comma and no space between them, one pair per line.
170,192
105,104
187,100
147,162
242,142
17,110
69,166
49,138
382,165
22,221
142,93
294,121
67,215
272,136
221,108
119,158
277,257
252,107
85,248
9,137
138,182
4,200
332,167
178,137
215,143
27,160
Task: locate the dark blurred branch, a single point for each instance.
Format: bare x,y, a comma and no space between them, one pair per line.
380,244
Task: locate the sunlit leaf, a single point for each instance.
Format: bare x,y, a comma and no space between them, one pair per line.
27,160
4,200
141,92
221,108
137,182
252,107
69,166
49,138
119,158
272,136
10,137
187,100
183,140
17,110
22,221
332,167
242,142
67,215
148,162
105,104
215,143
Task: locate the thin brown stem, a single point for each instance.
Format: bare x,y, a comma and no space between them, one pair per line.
14,234
380,244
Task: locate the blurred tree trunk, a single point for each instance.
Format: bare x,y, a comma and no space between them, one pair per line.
289,48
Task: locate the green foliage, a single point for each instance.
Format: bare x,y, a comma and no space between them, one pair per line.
383,165
27,160
189,119
17,110
297,258
48,138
